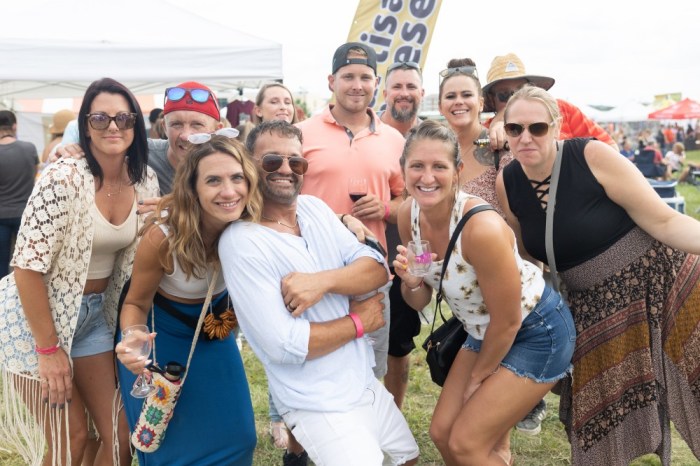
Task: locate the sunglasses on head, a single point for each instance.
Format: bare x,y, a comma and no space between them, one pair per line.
198,95
466,69
101,121
201,138
536,129
403,65
273,162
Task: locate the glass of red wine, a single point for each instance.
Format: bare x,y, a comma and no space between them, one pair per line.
357,188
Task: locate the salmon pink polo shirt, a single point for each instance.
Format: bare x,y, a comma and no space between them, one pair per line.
335,155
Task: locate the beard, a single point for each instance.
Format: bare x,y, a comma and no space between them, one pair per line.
406,115
279,194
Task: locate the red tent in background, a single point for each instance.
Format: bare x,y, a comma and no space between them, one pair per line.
683,110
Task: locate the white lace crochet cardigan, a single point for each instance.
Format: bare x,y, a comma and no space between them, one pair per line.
56,239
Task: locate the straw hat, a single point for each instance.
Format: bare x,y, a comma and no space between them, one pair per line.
511,67
60,120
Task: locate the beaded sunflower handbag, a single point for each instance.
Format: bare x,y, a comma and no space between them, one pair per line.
158,407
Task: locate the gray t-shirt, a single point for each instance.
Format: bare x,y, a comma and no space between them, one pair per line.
18,165
158,161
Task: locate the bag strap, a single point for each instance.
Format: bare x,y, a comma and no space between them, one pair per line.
453,240
198,328
549,225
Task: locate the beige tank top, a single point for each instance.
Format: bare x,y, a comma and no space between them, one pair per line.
108,240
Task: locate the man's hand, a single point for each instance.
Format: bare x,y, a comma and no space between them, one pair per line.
497,135
300,291
370,312
356,227
72,151
369,207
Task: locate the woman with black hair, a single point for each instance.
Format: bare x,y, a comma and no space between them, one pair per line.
58,309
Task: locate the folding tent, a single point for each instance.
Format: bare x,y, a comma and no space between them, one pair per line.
686,109
54,48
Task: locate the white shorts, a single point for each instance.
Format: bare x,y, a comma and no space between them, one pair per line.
359,437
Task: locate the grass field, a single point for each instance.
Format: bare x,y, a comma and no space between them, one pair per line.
550,448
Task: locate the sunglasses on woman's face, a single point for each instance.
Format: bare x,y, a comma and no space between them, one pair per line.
101,121
535,129
273,162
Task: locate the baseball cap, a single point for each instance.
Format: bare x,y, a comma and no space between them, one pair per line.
185,101
340,57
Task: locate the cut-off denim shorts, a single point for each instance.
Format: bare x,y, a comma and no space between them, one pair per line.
544,345
92,334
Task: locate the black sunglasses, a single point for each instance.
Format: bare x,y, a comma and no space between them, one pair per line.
272,162
536,129
410,65
504,96
101,121
466,69
198,95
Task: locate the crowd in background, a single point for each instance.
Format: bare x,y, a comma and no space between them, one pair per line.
187,220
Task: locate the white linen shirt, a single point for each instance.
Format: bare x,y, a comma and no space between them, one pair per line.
254,260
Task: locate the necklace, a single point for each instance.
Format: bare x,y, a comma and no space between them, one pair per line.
113,193
291,227
218,326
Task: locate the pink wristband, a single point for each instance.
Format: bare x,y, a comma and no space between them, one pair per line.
386,211
359,329
47,351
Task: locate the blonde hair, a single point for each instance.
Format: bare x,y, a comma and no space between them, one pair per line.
181,211
530,92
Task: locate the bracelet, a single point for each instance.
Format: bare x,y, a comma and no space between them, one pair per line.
47,351
420,285
359,329
341,218
386,211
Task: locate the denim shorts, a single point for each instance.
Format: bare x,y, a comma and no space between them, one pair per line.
544,345
92,334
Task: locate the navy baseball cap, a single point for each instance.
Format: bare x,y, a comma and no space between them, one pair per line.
340,57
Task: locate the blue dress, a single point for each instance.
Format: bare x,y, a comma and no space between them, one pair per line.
213,422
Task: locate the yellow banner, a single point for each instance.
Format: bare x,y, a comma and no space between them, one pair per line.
664,100
398,30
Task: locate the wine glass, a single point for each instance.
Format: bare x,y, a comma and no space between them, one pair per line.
137,338
357,188
419,258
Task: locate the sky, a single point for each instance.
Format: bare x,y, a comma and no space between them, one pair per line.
601,52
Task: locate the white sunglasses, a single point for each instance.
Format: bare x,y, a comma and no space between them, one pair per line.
201,138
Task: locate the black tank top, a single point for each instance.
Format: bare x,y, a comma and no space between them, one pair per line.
586,221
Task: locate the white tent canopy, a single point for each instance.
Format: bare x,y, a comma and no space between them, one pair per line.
52,48
627,112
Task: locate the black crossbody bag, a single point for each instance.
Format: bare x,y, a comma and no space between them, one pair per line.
442,344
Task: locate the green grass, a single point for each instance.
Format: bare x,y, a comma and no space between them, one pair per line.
688,191
550,448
